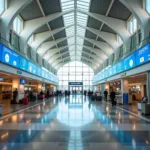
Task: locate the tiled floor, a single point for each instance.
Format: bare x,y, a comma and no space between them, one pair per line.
74,123
8,108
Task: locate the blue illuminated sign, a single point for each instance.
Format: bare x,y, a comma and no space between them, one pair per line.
22,81
31,68
143,55
38,70
1,52
23,64
129,62
119,67
9,57
114,69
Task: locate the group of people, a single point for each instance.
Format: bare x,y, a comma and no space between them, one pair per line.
112,96
30,95
88,93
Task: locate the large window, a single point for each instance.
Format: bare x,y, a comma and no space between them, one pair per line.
2,6
75,72
18,25
119,40
132,25
31,39
148,6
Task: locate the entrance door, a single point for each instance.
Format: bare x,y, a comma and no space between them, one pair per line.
75,90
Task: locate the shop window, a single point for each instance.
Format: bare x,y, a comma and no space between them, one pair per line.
147,6
30,41
119,40
132,25
2,6
18,25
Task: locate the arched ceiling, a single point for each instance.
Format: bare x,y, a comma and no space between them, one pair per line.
82,30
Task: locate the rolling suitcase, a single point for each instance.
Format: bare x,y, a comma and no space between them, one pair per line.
25,101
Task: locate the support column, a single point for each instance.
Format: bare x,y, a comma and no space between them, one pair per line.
125,92
51,88
107,87
39,87
20,87
102,88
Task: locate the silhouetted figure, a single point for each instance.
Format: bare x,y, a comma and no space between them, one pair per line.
105,94
112,96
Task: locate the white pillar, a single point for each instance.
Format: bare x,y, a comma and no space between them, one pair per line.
20,87
39,87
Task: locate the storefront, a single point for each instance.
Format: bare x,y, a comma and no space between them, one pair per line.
115,86
5,91
137,87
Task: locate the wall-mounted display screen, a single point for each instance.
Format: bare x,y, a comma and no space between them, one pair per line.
22,81
139,57
9,57
23,64
143,55
43,84
129,62
119,67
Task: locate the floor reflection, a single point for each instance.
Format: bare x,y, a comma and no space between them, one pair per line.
74,111
74,123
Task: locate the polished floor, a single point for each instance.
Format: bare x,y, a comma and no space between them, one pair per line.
74,123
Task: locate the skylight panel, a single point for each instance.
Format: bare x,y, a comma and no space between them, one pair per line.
71,48
71,40
70,31
80,41
76,22
83,5
67,5
79,48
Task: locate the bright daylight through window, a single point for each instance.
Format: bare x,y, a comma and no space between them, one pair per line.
2,6
75,72
18,25
75,23
148,6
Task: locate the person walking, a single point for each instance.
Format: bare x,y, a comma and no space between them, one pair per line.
112,96
105,94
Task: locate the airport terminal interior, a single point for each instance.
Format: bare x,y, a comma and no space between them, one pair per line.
74,74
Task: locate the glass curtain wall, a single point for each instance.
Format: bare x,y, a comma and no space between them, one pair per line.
75,72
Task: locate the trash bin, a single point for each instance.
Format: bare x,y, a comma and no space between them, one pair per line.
125,98
0,109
